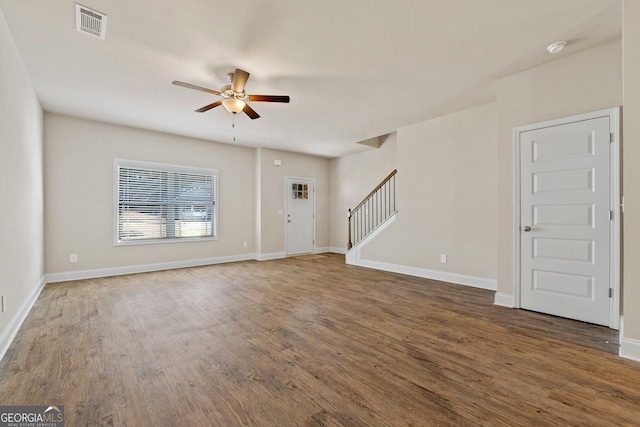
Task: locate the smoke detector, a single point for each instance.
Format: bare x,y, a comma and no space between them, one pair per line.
90,21
556,47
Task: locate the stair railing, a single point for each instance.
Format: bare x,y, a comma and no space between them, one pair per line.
375,209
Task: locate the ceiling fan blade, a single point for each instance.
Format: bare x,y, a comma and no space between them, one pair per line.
268,98
190,86
209,107
239,80
250,112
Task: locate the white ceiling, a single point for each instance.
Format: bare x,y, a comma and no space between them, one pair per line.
355,69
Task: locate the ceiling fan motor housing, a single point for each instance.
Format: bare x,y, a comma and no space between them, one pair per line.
227,92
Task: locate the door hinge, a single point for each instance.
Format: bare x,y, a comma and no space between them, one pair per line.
612,137
610,215
610,292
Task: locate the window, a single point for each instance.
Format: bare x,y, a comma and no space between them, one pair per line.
299,191
158,202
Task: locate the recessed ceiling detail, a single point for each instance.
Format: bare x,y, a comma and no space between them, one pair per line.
91,22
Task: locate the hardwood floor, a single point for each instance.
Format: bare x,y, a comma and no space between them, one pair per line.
315,342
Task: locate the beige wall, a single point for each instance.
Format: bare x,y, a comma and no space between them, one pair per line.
631,173
587,81
446,196
435,161
79,198
21,216
352,178
271,197
79,202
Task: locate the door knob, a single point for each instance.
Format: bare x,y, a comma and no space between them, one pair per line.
288,220
526,228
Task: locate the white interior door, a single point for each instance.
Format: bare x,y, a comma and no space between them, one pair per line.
300,215
565,220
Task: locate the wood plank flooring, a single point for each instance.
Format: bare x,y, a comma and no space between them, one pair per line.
298,342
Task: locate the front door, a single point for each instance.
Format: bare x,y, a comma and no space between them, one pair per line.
565,220
300,216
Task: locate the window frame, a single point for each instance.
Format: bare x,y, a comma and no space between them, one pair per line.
163,167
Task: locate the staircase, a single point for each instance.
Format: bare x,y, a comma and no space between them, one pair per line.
366,219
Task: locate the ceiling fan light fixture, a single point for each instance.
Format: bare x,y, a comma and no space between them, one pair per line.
233,105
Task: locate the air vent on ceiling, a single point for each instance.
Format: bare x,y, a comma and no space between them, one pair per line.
91,22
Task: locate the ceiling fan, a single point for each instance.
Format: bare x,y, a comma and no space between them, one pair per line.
234,98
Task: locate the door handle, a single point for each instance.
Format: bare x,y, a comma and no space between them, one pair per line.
526,228
288,220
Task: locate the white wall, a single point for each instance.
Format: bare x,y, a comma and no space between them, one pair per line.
79,194
21,216
446,199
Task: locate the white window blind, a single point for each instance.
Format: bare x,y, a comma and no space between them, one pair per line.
163,202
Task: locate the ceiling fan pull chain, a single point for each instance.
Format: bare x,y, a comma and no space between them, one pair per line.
233,125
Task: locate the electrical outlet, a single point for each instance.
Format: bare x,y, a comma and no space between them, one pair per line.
73,258
443,258
244,244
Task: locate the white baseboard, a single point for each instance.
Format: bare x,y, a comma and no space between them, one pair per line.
12,328
354,257
444,276
132,269
504,300
337,250
280,255
270,256
351,257
629,349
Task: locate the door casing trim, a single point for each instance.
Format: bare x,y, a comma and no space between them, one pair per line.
614,203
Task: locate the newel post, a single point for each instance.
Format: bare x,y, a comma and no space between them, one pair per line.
349,244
